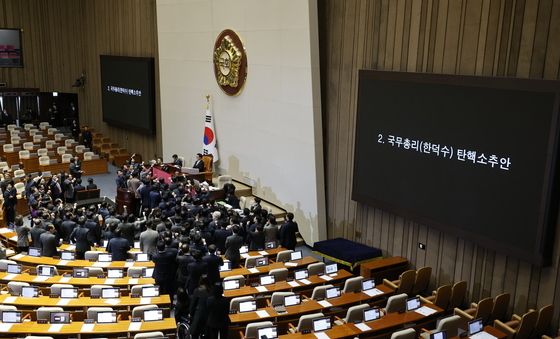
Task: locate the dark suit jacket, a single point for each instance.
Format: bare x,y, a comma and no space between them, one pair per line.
66,229
118,247
80,237
233,244
213,263
183,262
48,243
36,234
195,271
287,235
165,265
218,311
256,241
127,232
220,236
199,164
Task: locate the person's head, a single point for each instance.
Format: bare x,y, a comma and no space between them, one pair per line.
72,160
79,181
160,246
18,220
290,216
212,248
90,180
174,156
50,228
199,156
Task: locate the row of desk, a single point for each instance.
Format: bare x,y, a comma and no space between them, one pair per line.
82,302
78,282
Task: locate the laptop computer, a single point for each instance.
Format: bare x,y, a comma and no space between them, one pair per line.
269,332
45,271
110,293
270,245
243,249
412,303
226,266
105,257
80,273
69,292
30,291
322,324
438,335
142,257
13,269
34,251
475,326
147,272
115,273
263,261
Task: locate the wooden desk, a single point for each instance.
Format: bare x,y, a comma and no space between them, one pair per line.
280,286
75,328
391,321
488,329
265,269
82,302
271,253
29,260
388,268
78,282
310,306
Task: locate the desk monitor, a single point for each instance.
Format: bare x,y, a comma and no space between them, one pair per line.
475,326
106,317
11,317
331,268
371,314
150,291
80,273
147,272
292,300
105,257
270,245
13,268
368,284
137,244
60,317
65,255
34,251
45,271
247,306
69,292
231,284
267,280
243,249
30,291
333,292
439,335
153,315
412,303
142,257
297,255
301,274
110,293
263,261
322,324
115,273
267,333
226,266
105,243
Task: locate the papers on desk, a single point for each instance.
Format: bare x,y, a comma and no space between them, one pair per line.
254,270
9,300
41,278
101,264
10,276
262,314
261,288
62,262
321,335
324,303
325,277
135,326
109,281
425,311
17,256
373,292
145,301
112,301
63,302
244,255
362,327
55,328
14,238
290,264
4,328
87,328
5,230
263,252
64,279
132,281
305,281
482,335
129,264
293,283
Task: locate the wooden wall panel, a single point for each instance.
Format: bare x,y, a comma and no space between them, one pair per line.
63,38
516,38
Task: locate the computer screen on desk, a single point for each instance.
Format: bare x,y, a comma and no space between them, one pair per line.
142,257
34,251
247,306
371,314
231,284
297,255
439,335
147,272
45,271
331,268
105,257
321,324
412,304
243,249
267,333
153,315
267,280
60,317
11,317
332,292
150,291
263,261
29,292
301,274
292,300
368,284
110,293
65,255
270,245
106,317
13,268
475,326
80,273
69,292
226,266
115,273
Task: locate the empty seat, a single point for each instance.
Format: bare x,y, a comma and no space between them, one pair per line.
138,311
20,188
251,329
458,293
316,268
28,146
27,127
543,320
223,179
500,307
14,287
33,131
354,314
91,255
277,298
7,308
481,310
11,127
37,138
69,142
41,152
44,312
449,325
234,302
305,322
238,277
283,256
92,311
137,289
95,271
44,160
80,148
396,303
522,329
8,148
15,140
52,131
149,335
50,144
24,154
61,150
409,333
88,155
4,264
405,282
95,291
55,288
134,272
353,284
66,158
280,274
440,298
251,261
422,280
58,137
4,165
319,292
19,173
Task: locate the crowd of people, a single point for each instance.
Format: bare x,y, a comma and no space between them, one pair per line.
184,233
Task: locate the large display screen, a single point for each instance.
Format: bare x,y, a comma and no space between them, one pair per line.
127,87
471,155
10,48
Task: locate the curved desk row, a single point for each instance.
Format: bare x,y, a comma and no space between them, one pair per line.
78,282
82,302
291,265
70,264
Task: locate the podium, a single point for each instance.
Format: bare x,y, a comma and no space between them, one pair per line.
125,198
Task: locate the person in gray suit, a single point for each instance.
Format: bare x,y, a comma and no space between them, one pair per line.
271,230
233,244
23,233
148,239
48,242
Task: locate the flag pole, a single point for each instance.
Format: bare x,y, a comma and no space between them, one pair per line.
207,101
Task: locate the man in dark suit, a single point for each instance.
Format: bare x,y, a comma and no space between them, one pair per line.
178,163
199,163
80,237
10,202
118,247
165,268
78,185
48,242
195,270
66,227
213,263
220,236
233,244
75,168
87,137
36,232
218,314
91,185
184,258
127,229
94,227
288,232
